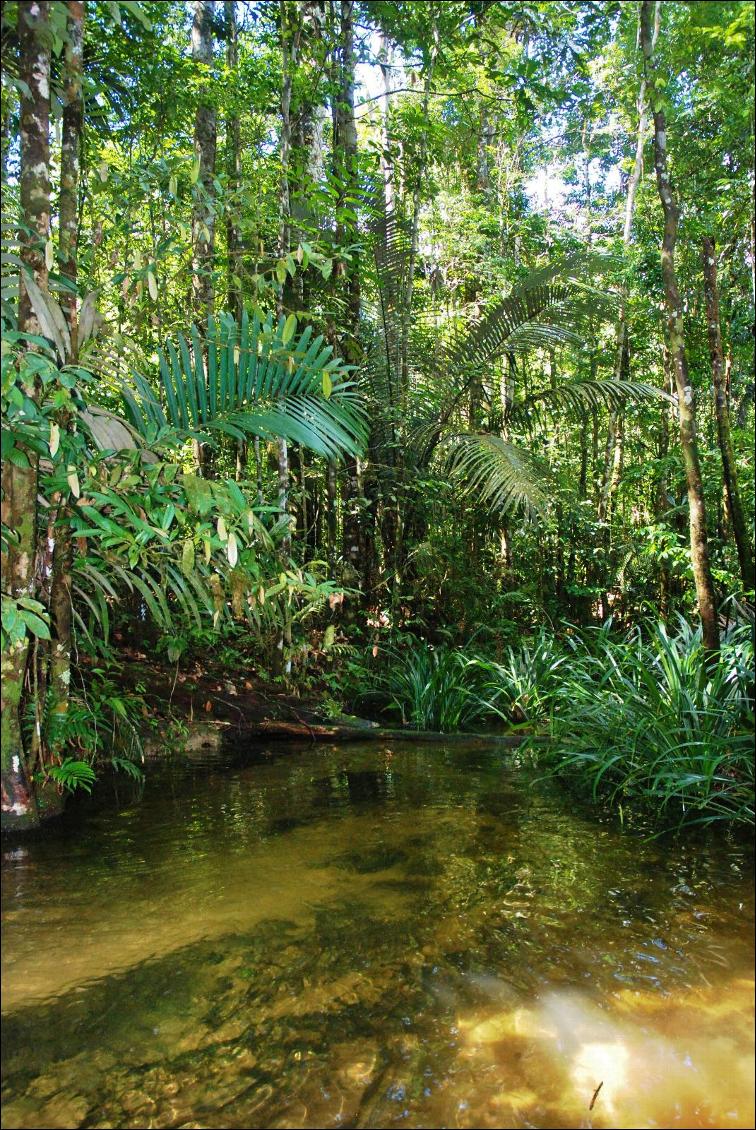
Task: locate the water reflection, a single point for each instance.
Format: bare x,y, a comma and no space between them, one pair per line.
352,937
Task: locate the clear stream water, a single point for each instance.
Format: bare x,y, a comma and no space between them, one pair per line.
367,936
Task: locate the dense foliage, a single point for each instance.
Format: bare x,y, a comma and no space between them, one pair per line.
333,327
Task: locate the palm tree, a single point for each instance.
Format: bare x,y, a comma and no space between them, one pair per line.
416,396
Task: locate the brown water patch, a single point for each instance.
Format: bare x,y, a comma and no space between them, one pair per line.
352,938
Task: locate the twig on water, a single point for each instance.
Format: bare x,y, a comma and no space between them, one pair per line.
595,1095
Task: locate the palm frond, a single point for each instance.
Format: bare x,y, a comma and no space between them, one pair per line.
582,397
546,310
252,378
500,475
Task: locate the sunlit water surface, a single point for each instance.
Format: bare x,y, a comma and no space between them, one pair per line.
365,937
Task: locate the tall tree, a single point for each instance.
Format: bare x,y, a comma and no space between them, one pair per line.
20,478
699,544
205,142
68,216
203,209
233,169
345,169
722,412
622,354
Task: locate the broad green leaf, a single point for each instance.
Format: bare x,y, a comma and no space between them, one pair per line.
35,624
290,326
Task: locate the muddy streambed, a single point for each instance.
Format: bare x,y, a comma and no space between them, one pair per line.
370,936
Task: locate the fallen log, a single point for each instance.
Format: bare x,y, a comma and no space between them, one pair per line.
206,735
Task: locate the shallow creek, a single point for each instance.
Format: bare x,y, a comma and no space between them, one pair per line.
367,936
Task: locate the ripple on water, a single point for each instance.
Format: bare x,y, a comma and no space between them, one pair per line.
341,937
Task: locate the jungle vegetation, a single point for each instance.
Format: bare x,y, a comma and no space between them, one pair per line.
397,351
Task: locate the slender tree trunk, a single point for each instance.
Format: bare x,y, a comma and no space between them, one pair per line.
234,247
258,470
385,61
660,507
332,517
345,168
290,36
233,171
622,346
70,160
699,546
19,807
402,520
203,212
234,174
205,141
721,408
61,617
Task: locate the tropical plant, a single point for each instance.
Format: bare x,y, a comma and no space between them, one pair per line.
660,723
191,550
257,377
433,687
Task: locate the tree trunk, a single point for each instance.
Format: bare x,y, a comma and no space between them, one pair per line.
203,214
385,61
345,170
331,516
61,619
19,807
622,346
233,171
70,159
290,36
721,408
699,546
205,139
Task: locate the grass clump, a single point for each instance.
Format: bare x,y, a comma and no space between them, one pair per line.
434,688
655,721
648,720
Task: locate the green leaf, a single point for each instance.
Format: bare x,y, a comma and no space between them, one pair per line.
187,557
290,326
35,624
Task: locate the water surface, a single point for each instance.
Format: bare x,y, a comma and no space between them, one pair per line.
373,937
